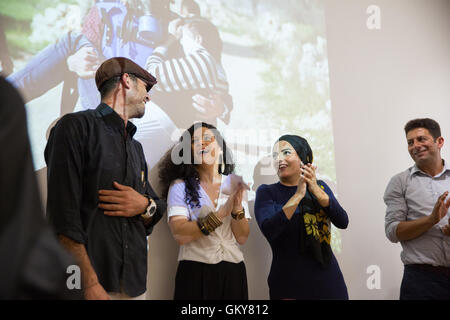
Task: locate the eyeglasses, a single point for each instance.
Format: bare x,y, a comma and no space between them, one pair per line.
147,86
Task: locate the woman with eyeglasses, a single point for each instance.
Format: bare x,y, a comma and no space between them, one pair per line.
208,216
295,215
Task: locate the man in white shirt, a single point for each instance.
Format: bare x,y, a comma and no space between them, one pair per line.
417,202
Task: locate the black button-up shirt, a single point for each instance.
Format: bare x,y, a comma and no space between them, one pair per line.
86,152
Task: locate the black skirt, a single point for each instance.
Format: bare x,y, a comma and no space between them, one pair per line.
203,281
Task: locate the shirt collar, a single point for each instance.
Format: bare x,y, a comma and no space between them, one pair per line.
113,119
415,169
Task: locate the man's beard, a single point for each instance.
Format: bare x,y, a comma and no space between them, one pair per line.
138,112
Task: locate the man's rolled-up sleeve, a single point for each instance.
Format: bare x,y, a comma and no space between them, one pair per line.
397,209
64,157
161,207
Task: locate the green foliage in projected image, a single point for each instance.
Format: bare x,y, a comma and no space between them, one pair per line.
16,18
289,38
297,107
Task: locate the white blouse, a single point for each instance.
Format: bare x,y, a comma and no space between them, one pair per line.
219,245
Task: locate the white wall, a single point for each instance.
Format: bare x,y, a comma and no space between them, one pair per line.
380,79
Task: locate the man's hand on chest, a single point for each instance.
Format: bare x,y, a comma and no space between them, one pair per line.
123,202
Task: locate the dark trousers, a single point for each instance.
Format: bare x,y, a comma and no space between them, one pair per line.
202,281
421,284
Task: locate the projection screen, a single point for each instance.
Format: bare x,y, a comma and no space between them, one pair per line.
275,81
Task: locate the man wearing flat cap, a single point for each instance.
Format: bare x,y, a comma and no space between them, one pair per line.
99,199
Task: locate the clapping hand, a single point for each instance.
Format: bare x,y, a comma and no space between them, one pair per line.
440,208
446,229
302,183
237,198
308,172
233,203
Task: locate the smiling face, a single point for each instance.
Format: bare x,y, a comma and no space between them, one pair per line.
137,97
205,148
286,161
422,147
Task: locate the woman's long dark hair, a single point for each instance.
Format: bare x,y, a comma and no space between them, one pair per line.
177,164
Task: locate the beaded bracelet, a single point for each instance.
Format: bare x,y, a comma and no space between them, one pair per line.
209,223
202,227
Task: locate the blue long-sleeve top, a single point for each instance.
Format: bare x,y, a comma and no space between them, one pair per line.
295,275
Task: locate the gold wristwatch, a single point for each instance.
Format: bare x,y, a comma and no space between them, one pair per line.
238,215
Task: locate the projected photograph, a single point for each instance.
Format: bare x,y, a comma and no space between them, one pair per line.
255,69
365,83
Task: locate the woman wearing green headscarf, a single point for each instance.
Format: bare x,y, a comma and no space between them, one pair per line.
295,215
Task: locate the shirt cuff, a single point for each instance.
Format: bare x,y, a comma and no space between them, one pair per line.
391,231
177,211
74,235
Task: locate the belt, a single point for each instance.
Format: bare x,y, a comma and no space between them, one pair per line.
434,269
